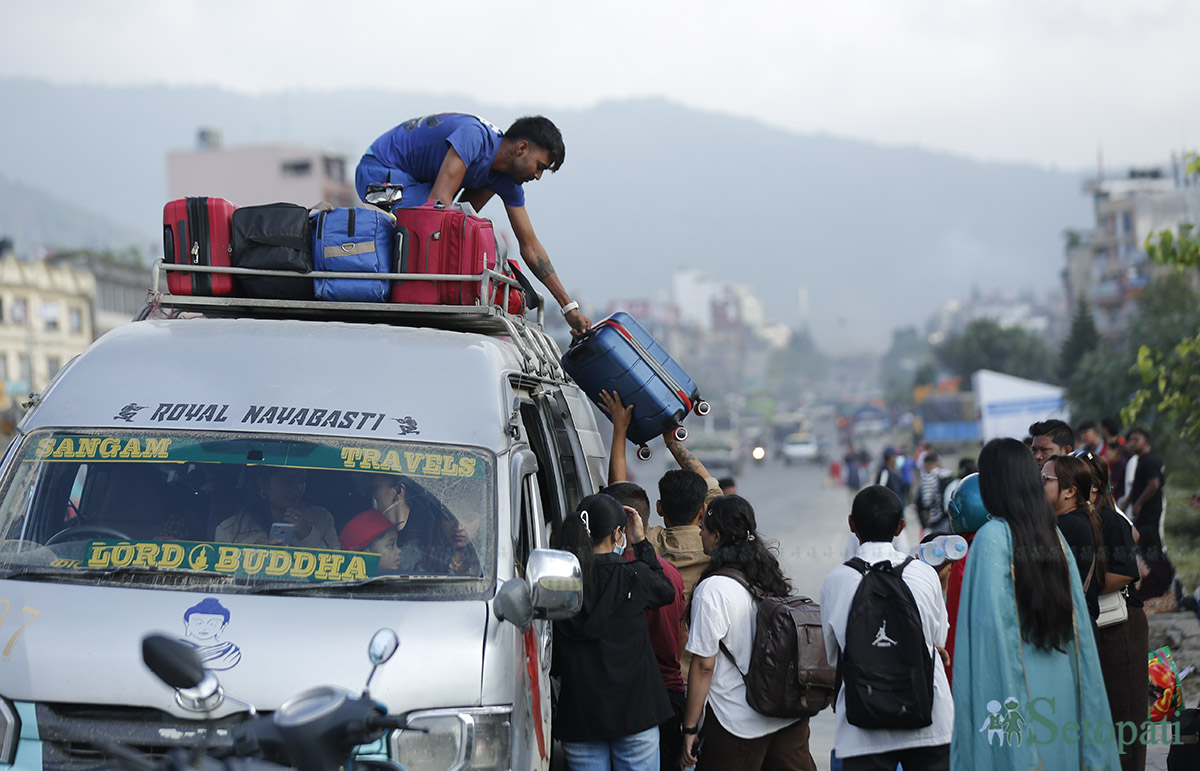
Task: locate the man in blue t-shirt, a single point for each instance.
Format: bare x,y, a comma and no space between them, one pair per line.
436,156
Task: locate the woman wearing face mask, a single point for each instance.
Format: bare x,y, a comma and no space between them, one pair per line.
612,698
1068,484
402,502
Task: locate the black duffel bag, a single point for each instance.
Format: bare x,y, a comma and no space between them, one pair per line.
273,236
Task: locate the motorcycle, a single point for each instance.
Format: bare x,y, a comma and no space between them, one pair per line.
316,730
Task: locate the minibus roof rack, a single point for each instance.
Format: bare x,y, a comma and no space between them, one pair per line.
540,355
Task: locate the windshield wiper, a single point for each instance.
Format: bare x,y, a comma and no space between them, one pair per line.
398,578
52,573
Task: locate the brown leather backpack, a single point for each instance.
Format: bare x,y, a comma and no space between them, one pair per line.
789,675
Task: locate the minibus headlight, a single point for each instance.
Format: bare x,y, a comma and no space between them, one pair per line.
10,732
455,740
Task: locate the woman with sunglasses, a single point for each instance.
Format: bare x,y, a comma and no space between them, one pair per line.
1067,483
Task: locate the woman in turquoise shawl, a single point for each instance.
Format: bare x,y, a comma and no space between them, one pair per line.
1028,692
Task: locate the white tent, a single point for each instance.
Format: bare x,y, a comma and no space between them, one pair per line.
1008,405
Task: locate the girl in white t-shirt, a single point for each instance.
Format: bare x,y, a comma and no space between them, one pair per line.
734,737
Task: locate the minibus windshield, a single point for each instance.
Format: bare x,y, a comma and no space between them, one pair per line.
205,511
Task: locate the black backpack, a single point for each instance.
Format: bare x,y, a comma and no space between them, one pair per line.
886,668
789,675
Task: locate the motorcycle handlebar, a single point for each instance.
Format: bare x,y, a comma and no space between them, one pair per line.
384,722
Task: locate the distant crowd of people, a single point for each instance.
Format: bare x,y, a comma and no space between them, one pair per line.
998,660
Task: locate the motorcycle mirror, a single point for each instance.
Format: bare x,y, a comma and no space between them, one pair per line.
382,647
175,663
203,696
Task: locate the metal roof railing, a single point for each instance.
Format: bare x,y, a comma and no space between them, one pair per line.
540,355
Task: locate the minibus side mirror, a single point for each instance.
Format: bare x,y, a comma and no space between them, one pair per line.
555,582
514,603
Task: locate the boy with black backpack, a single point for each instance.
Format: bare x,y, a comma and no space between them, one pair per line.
885,626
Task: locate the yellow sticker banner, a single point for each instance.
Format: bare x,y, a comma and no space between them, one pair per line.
411,462
102,448
284,563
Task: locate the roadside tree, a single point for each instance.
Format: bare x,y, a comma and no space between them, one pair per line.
985,344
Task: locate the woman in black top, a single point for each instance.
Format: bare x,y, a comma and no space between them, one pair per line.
612,698
1122,646
1067,483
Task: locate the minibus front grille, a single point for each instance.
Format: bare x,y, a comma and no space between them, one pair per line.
73,734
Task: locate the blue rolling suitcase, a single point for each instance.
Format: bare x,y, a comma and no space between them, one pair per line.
619,355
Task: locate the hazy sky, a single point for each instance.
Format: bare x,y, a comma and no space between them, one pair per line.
1046,82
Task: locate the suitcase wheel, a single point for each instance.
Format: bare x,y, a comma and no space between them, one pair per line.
644,453
702,408
681,433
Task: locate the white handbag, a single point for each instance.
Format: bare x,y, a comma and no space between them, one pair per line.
1113,609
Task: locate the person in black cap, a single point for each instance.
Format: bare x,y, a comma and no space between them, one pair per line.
613,697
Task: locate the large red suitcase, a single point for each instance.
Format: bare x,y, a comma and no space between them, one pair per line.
197,231
444,240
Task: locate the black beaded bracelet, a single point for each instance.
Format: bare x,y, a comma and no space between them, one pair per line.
690,731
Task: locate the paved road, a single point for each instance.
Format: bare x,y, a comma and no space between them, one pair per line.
807,517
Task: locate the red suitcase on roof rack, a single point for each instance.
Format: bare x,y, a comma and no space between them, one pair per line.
197,231
443,240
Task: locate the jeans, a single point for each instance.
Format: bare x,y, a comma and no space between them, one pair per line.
371,169
636,752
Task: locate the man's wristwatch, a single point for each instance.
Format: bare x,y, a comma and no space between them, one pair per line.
689,731
569,307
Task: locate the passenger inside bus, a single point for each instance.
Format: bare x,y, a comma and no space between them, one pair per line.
374,533
277,502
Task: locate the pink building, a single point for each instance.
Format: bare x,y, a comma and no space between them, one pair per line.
260,174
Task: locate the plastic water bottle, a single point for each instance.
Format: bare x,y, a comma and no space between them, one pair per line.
955,547
932,553
938,551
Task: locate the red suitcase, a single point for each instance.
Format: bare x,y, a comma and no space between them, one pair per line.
197,231
443,240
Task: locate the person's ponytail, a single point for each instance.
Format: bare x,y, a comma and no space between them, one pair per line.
572,535
1074,472
595,519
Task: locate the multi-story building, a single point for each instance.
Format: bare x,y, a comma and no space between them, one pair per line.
713,306
121,289
259,174
45,320
1108,265
1043,316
